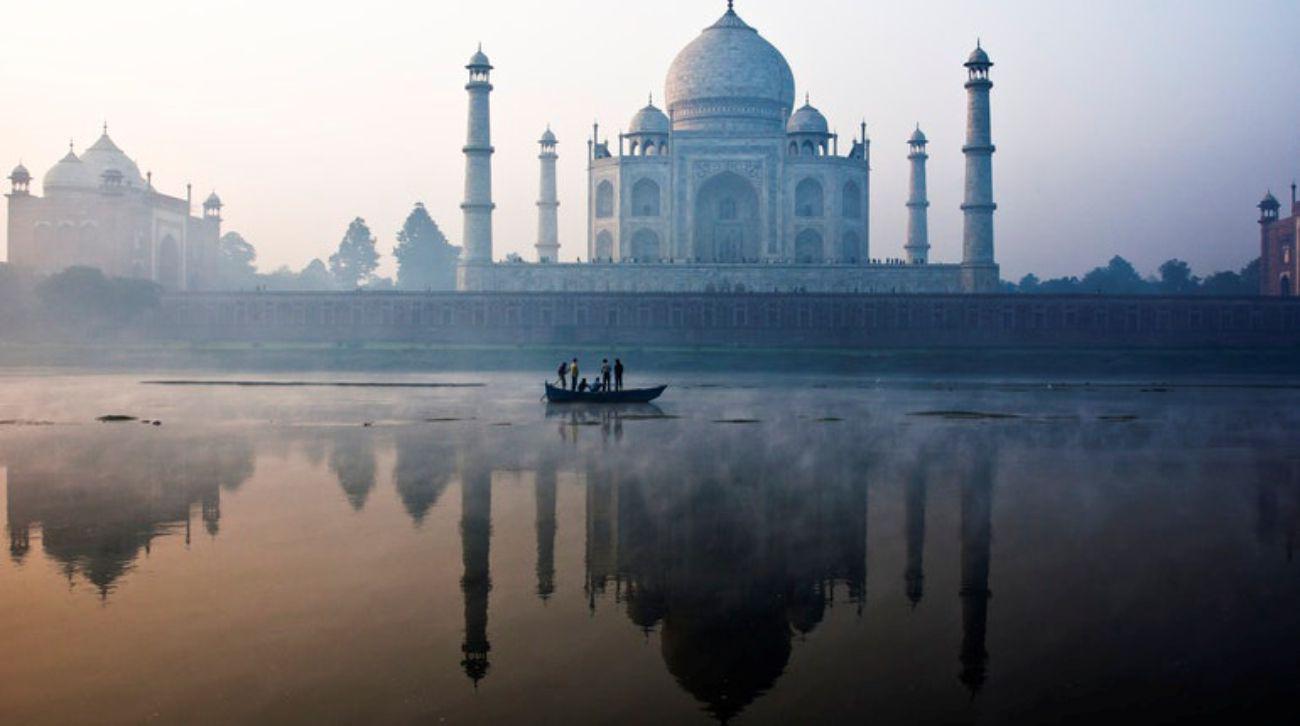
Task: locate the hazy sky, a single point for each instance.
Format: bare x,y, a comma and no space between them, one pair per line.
1148,128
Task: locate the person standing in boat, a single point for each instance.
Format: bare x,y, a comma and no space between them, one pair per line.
618,374
604,374
564,374
573,374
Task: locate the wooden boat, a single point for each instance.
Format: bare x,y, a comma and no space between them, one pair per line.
630,395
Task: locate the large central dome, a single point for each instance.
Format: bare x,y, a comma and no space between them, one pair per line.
730,79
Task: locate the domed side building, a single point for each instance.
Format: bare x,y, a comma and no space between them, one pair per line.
99,211
731,187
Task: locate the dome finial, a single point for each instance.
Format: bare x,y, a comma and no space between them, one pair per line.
106,127
731,7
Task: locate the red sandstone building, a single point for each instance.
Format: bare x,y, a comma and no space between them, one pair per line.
1279,266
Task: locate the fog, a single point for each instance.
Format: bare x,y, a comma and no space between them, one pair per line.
1146,129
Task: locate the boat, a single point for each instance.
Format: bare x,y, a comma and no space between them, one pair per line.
630,395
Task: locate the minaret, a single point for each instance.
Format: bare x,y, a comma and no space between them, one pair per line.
476,582
548,203
980,274
478,204
1268,216
918,204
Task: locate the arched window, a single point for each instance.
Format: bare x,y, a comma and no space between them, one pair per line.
808,201
808,247
850,247
645,246
663,148
852,201
1286,286
651,149
645,199
809,149
634,148
604,247
604,200
794,148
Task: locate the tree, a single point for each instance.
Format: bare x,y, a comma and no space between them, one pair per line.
1250,280
235,258
315,276
425,260
83,295
1029,283
1060,286
1118,277
356,259
1176,279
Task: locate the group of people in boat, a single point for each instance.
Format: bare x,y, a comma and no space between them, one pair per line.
611,377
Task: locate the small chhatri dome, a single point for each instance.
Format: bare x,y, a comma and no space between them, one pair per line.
20,174
479,59
978,58
807,120
548,137
69,173
212,202
649,120
918,136
1270,202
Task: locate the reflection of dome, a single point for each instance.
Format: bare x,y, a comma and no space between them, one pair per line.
104,156
729,660
69,173
729,77
808,120
649,120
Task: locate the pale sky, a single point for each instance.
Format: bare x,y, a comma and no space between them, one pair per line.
1148,128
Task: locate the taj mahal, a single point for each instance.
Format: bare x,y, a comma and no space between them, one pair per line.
730,188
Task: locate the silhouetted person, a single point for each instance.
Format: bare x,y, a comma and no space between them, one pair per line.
583,387
563,373
573,375
618,374
604,374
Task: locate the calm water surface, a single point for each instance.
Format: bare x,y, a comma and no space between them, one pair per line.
744,551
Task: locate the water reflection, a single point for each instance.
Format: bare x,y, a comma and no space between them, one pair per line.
730,544
100,504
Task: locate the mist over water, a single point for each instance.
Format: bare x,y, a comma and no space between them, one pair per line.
905,550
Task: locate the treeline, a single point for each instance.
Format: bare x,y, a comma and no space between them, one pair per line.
79,302
1119,277
425,261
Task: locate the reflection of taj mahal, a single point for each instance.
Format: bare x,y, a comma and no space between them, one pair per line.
731,189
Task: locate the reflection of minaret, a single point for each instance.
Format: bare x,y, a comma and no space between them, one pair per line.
602,532
976,540
545,494
212,511
476,583
915,574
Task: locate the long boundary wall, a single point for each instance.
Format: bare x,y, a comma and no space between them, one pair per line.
745,320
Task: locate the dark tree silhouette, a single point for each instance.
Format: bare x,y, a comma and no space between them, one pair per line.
425,260
356,258
235,258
